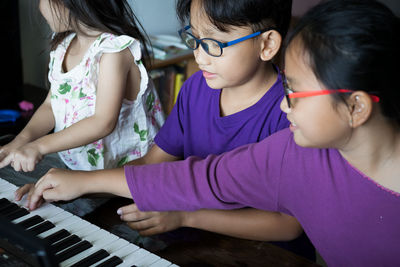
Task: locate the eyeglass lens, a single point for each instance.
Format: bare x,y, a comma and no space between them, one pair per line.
286,89
209,45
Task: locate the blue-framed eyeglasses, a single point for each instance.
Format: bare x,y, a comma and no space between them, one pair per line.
212,47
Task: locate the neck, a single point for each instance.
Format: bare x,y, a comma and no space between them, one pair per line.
374,149
235,99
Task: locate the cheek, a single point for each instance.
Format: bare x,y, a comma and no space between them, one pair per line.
320,127
238,67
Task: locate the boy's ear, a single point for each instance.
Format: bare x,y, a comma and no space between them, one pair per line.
270,44
360,106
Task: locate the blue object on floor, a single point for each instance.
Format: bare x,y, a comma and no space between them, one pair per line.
9,115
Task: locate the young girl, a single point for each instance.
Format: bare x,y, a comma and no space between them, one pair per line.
332,169
234,100
101,105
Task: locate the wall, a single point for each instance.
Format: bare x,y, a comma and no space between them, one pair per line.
157,16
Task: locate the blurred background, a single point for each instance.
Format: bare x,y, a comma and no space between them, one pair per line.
24,37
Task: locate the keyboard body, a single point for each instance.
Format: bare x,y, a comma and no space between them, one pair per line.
74,241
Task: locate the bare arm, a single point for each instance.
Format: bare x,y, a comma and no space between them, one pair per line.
245,223
153,156
41,123
60,184
111,88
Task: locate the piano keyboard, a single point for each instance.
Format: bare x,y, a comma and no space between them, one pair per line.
76,241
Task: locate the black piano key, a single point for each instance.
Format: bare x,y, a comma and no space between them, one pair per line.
17,214
92,259
43,227
4,201
74,250
111,262
31,221
65,243
8,208
57,236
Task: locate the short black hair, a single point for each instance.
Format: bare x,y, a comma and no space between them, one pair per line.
353,44
258,14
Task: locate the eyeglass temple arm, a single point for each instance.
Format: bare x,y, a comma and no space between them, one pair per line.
327,92
241,39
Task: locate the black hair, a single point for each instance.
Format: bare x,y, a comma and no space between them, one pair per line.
353,44
113,16
258,14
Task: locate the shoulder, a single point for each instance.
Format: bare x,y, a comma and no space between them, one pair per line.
110,43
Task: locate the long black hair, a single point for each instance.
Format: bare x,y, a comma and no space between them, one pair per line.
257,14
354,44
113,16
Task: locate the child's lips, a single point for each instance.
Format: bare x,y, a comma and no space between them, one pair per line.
209,75
292,126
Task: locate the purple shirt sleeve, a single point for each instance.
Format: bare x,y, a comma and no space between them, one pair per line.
218,182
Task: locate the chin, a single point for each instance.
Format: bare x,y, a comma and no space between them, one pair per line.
303,142
214,84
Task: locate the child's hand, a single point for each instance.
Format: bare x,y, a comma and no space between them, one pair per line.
24,158
28,189
57,184
150,223
6,152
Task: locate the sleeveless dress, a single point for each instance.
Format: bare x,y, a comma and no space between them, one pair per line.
73,98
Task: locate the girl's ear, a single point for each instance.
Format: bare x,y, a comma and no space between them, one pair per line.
270,44
360,105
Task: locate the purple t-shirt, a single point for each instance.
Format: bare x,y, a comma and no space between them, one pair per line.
195,127
350,219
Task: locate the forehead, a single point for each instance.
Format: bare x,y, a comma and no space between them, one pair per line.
199,19
297,66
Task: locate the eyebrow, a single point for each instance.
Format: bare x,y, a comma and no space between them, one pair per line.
206,32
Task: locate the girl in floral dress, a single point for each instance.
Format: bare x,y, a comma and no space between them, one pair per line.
102,106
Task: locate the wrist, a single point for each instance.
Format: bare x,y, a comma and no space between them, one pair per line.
107,181
186,219
20,140
40,146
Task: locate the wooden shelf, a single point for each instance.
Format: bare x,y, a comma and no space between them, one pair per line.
171,60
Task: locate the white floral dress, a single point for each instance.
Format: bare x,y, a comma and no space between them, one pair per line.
73,98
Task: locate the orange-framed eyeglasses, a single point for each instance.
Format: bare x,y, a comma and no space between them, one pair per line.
289,93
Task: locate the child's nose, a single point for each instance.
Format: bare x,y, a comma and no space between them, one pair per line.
284,105
201,56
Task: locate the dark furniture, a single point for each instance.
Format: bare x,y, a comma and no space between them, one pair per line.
191,247
10,45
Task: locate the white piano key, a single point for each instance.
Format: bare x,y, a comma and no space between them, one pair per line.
147,260
122,252
46,211
134,257
56,220
7,187
98,239
113,247
2,182
161,263
71,224
116,245
7,193
83,232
